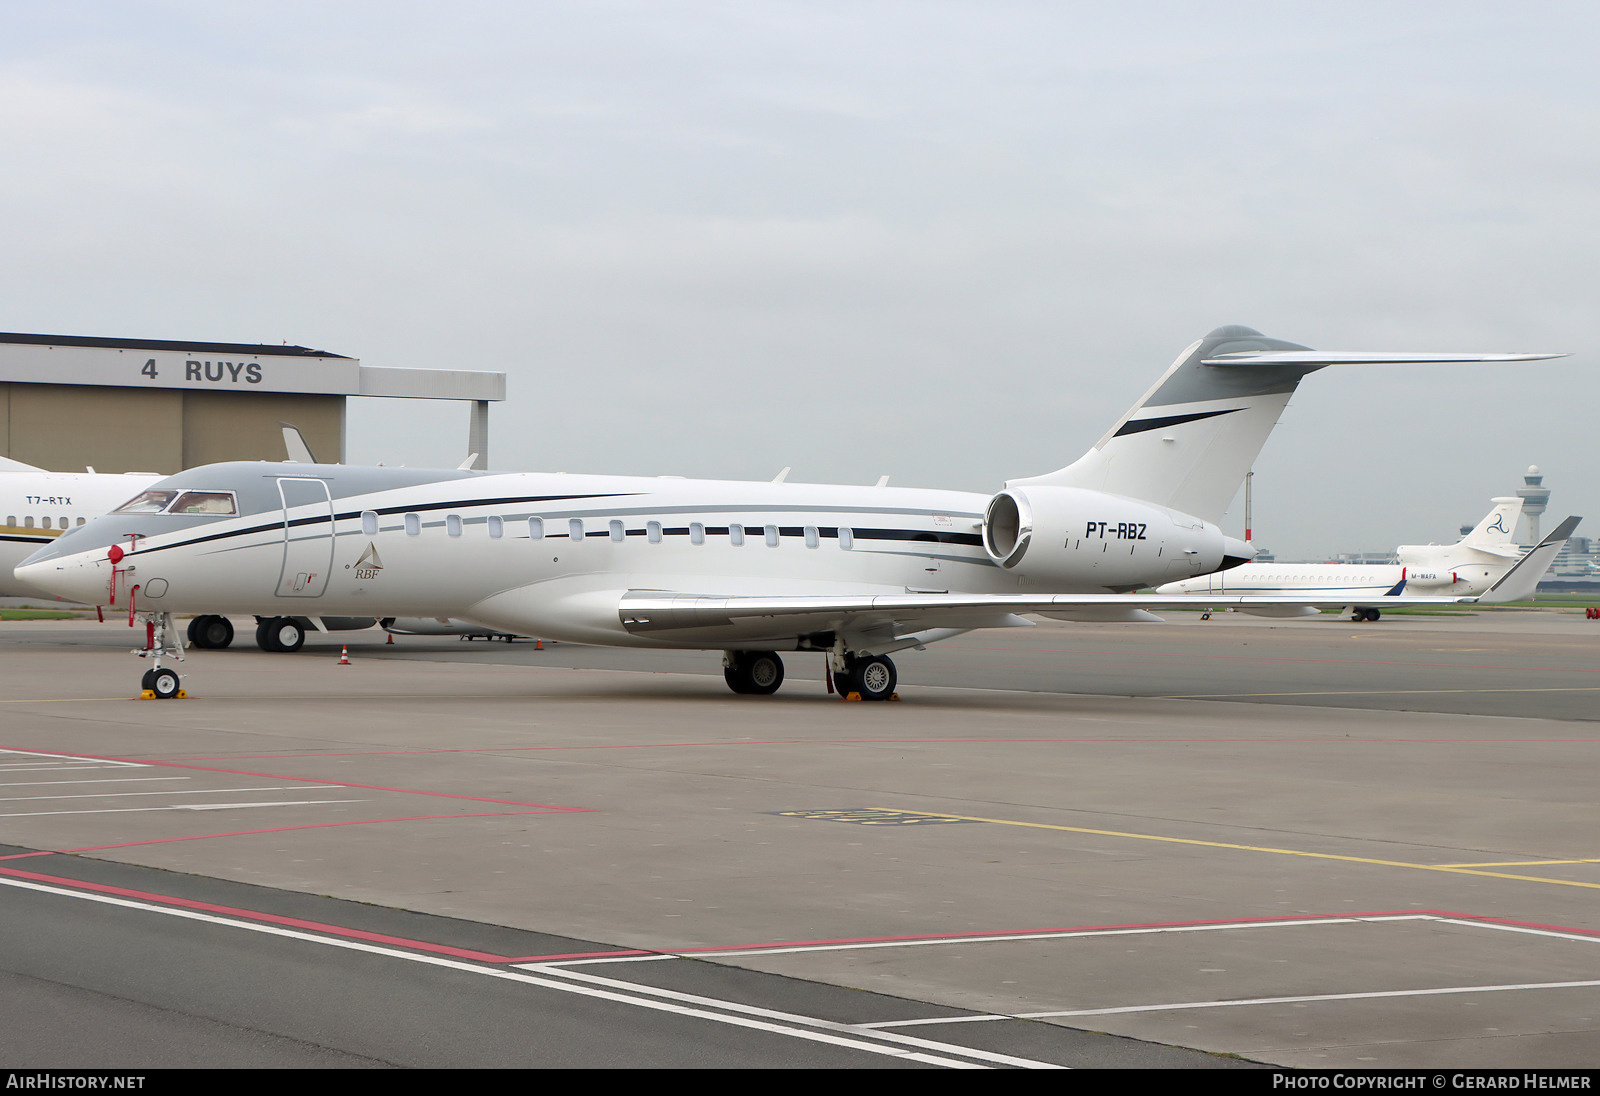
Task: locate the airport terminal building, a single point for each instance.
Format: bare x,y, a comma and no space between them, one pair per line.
145,405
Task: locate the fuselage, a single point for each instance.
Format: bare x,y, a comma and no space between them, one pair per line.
551,554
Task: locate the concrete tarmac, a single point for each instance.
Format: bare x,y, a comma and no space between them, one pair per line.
1306,843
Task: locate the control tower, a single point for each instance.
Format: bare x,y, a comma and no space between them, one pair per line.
1535,498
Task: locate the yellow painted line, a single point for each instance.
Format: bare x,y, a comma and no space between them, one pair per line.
1448,868
1518,863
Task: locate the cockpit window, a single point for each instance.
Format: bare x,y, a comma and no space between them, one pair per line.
151,502
184,502
204,502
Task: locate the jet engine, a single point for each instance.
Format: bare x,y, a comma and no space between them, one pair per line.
1073,536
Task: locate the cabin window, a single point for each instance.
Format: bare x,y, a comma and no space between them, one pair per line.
697,533
617,532
150,502
204,502
652,531
80,521
847,539
46,523
497,527
735,534
11,520
452,524
772,536
413,525
813,538
27,522
536,528
369,522
575,528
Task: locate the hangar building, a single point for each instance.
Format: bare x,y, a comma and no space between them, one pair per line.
143,405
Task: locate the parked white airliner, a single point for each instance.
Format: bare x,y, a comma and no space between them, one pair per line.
747,568
1468,567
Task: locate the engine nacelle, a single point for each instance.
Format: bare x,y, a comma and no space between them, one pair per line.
1431,578
1069,536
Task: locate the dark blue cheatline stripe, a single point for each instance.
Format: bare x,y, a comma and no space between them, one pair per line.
1135,426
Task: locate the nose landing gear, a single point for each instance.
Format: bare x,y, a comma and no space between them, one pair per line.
162,639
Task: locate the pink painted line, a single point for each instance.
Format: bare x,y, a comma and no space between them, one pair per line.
255,915
580,955
893,741
1519,924
307,826
320,780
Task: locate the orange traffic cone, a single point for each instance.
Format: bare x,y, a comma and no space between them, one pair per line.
344,655
538,645
390,639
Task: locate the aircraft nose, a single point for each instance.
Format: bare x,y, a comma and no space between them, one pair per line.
65,576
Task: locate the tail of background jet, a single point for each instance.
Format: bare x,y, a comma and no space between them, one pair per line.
1496,529
1189,441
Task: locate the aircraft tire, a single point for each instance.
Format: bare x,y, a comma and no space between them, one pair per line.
1373,615
872,676
146,682
264,633
287,634
754,673
164,683
210,633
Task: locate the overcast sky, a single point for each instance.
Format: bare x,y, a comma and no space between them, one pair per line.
950,242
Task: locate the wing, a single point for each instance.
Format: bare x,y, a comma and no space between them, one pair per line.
881,623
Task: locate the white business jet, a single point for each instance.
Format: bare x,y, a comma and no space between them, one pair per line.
1466,568
748,568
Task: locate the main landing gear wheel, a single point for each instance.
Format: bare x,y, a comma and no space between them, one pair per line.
281,634
210,632
753,673
1360,615
872,676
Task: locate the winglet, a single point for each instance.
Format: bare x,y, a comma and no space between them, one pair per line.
1524,576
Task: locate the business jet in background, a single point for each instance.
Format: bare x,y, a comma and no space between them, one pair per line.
748,568
38,506
1466,568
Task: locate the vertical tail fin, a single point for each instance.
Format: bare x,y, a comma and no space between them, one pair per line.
1497,527
1189,441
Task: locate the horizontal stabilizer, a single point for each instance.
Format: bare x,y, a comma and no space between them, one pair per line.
9,465
1316,359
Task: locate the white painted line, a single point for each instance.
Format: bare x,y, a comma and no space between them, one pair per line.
1310,998
101,780
863,1041
1060,934
1530,930
185,807
787,1017
85,762
174,791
